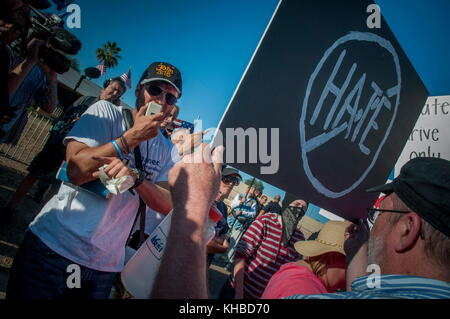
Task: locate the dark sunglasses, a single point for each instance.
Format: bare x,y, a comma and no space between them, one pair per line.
228,180
154,90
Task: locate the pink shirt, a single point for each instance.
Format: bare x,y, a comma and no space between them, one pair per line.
293,279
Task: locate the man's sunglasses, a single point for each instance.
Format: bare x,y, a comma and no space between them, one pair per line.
154,90
228,180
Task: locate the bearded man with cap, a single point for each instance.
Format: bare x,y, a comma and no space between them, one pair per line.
82,228
409,242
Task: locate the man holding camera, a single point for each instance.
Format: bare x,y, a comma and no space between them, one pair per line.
23,79
14,22
80,230
29,81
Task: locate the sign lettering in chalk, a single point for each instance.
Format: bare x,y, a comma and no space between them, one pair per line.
343,96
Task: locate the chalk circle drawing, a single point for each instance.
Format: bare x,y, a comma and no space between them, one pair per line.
377,101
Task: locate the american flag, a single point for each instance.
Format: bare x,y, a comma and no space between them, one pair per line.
126,77
183,124
102,67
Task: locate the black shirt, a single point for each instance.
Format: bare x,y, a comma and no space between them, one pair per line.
272,207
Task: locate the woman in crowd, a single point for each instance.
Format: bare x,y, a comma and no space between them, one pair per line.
322,269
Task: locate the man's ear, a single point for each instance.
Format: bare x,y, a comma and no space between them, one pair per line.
407,231
138,89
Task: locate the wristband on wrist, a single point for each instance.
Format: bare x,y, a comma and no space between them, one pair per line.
118,150
140,177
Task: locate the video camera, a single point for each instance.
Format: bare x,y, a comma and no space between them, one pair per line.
49,28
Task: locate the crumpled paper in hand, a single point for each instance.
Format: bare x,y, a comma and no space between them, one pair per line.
115,185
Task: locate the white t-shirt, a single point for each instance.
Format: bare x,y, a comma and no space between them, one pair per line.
84,227
152,220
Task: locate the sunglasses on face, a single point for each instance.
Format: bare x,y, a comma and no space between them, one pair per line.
228,180
154,90
373,213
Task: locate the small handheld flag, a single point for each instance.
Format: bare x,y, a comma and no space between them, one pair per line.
126,77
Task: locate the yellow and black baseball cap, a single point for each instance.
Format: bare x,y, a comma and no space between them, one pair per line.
162,71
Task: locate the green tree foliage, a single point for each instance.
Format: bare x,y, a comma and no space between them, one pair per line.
108,54
257,184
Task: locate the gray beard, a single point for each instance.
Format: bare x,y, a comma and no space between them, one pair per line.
375,250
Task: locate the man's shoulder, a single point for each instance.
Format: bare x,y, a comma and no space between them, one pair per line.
104,108
87,99
107,104
271,216
220,204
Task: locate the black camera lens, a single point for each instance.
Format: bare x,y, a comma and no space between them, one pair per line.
54,59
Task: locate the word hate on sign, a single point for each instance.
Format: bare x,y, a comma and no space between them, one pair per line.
348,106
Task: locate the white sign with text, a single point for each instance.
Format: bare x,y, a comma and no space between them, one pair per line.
431,135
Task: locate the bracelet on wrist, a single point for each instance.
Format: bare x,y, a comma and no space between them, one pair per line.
118,150
125,144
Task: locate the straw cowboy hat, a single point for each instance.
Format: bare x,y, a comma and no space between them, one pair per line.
330,239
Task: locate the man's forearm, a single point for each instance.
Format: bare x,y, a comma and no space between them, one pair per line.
261,212
81,164
156,197
186,251
17,75
215,247
239,278
51,97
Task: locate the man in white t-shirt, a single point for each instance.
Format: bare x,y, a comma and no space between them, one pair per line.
76,244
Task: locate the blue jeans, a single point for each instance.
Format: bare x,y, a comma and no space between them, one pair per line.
39,273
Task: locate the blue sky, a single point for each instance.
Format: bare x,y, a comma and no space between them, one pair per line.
212,41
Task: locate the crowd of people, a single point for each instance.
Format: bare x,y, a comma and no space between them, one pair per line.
173,172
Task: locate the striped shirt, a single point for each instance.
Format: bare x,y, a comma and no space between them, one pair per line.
264,253
390,287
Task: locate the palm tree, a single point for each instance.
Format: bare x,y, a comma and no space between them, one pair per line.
108,54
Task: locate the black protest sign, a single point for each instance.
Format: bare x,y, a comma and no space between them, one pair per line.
342,98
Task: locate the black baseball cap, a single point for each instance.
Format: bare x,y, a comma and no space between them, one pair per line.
424,186
162,71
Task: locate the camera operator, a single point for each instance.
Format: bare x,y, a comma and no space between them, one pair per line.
22,79
29,81
14,22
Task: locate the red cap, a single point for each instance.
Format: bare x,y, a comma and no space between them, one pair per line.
214,214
